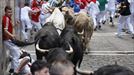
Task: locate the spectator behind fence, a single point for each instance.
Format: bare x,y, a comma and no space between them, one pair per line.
40,67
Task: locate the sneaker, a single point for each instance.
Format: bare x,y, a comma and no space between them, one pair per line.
103,22
111,20
11,71
128,32
118,35
124,30
26,30
99,27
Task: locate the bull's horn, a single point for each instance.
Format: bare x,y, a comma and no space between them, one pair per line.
70,49
83,72
39,49
81,33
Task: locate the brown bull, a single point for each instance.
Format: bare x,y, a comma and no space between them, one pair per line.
84,27
82,23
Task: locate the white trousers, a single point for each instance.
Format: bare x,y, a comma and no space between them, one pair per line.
110,13
14,52
132,19
26,24
122,21
94,19
36,25
43,18
101,17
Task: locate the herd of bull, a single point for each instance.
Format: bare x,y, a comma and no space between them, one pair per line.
70,44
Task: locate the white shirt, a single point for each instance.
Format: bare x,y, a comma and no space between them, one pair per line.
131,5
25,12
45,7
111,4
93,8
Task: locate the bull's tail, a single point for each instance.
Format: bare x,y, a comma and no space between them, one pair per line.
22,43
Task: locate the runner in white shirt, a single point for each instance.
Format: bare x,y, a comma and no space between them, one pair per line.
44,12
111,7
26,22
93,11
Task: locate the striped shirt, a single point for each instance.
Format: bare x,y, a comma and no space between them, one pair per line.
53,2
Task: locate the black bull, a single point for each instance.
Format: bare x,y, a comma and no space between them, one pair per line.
48,38
113,70
70,35
57,52
108,70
